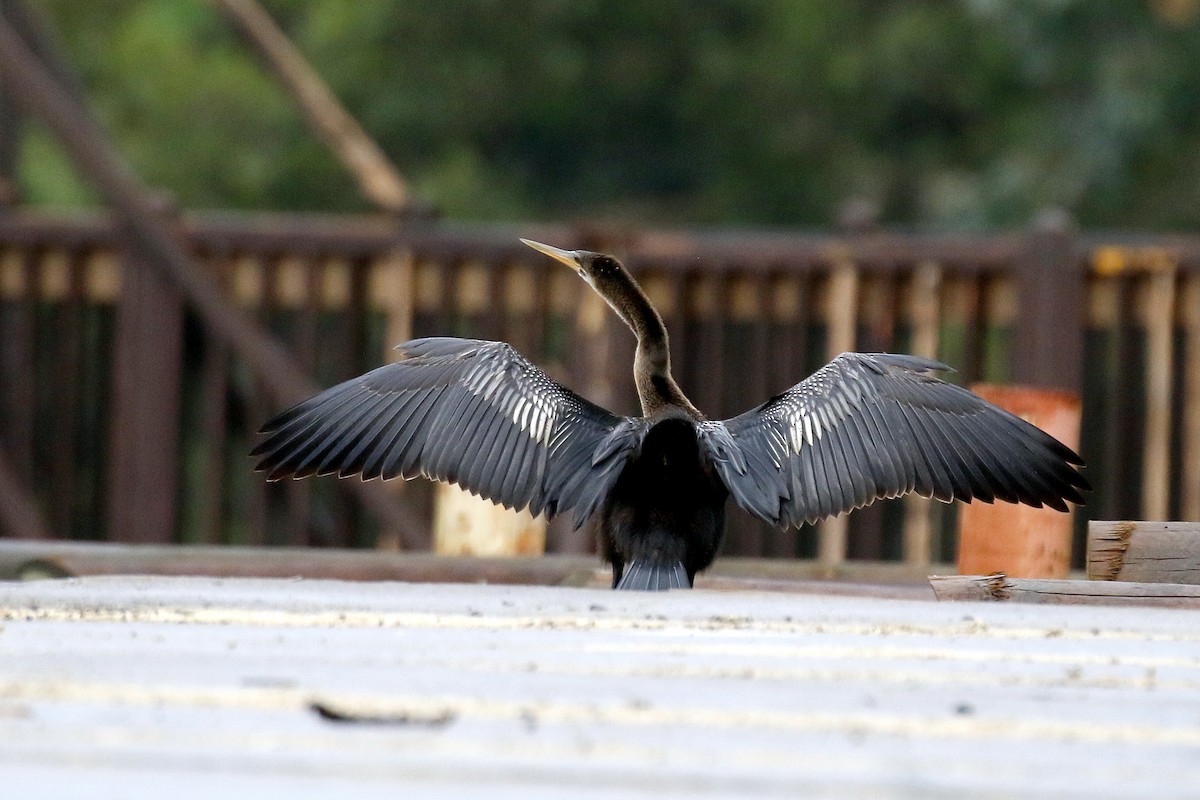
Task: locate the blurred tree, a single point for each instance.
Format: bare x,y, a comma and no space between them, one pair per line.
966,114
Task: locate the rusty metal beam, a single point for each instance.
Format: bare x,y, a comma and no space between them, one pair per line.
10,131
150,228
377,178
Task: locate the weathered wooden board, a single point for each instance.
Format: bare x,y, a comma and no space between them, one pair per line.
1000,587
1151,552
187,688
22,560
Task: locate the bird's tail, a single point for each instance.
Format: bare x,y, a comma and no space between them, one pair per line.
654,576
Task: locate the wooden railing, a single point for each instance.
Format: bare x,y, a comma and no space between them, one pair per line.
94,357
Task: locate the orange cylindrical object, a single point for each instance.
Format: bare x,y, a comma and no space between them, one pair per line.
1018,540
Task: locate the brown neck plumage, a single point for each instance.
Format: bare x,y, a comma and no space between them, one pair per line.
656,389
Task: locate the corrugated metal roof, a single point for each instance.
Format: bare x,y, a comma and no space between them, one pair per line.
192,687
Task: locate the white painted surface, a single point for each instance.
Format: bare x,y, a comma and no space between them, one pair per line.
201,688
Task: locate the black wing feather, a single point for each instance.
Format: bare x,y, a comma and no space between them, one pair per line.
868,426
460,410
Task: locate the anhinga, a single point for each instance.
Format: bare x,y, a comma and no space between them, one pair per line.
479,414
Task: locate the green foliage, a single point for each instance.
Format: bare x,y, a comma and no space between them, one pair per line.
967,114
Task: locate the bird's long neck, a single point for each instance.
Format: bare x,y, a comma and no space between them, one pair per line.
656,387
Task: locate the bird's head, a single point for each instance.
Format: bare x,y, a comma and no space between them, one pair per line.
598,269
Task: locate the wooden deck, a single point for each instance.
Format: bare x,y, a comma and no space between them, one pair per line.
204,687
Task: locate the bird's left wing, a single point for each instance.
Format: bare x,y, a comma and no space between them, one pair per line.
464,411
867,426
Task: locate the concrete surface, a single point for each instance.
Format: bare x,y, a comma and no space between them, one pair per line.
124,687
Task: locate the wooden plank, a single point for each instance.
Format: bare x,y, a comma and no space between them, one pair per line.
540,322
353,354
781,366
18,363
1189,433
787,311
880,313
1106,427
308,337
92,443
788,315
1000,587
923,310
841,319
743,346
958,343
25,559
21,560
254,517
206,483
1000,311
706,334
1127,442
344,285
65,393
464,523
102,282
674,292
493,317
474,293
1157,316
289,283
521,309
802,254
746,351
391,288
297,300
1145,551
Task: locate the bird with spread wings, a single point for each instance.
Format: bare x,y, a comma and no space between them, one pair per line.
479,414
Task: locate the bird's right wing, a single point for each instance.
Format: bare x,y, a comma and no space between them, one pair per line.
464,411
867,426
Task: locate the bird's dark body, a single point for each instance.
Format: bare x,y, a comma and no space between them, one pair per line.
478,413
667,508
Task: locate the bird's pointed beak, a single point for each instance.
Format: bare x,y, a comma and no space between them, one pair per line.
565,256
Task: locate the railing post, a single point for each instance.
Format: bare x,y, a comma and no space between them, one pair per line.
144,440
1157,312
1048,341
841,319
925,318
